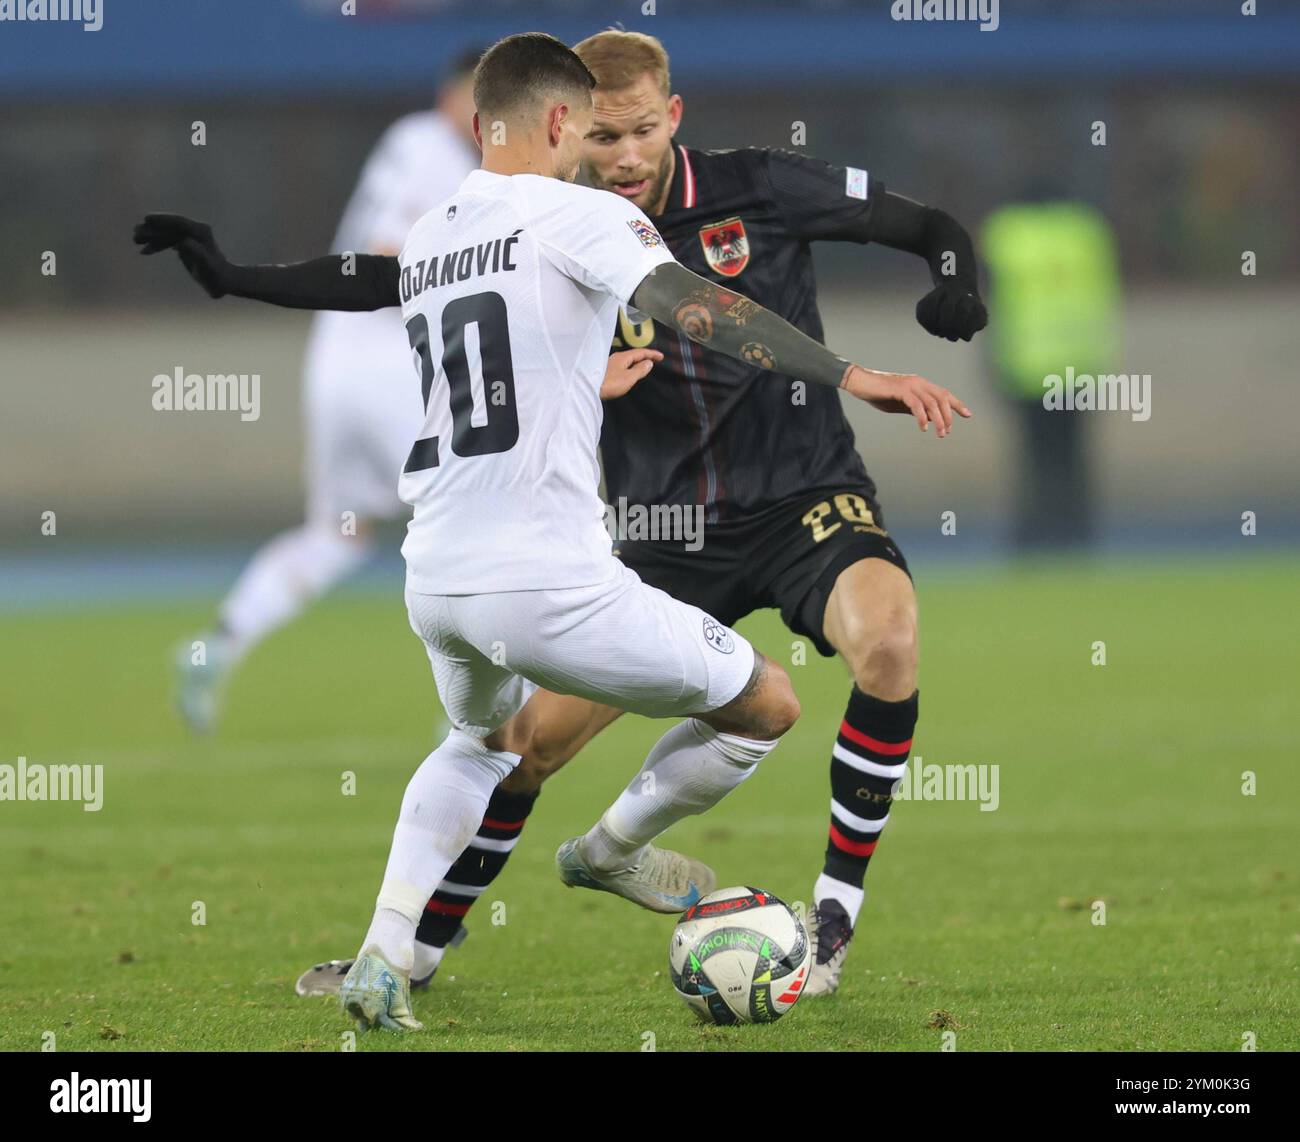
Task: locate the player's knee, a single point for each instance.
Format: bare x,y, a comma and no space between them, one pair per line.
764,710
778,709
883,654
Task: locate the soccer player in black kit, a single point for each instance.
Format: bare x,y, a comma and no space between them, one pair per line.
791,518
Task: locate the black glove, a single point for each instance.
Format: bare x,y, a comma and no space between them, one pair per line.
194,244
950,311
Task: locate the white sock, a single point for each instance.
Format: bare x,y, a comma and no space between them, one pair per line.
828,888
427,959
441,811
691,768
392,933
284,576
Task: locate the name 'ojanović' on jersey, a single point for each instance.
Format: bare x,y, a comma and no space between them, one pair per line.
458,266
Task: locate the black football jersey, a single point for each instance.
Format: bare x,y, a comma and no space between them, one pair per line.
704,428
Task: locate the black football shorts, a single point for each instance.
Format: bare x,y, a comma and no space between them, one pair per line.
787,556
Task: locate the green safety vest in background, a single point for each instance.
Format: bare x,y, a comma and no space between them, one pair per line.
1054,292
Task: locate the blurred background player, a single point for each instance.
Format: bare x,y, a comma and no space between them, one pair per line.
1054,283
358,432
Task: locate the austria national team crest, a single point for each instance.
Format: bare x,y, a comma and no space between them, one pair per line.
726,247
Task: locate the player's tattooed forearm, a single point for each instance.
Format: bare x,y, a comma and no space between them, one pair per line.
693,318
700,313
729,323
742,309
756,353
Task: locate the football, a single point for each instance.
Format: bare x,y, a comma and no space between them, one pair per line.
739,955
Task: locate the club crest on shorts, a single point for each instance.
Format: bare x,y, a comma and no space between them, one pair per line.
718,636
726,247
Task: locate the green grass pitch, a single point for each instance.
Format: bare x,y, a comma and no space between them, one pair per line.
1121,783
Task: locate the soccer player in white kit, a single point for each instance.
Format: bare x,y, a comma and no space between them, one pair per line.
361,410
359,406
510,290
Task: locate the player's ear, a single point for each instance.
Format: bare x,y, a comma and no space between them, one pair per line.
674,113
559,113
478,138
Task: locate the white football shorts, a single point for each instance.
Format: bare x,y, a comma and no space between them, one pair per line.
362,407
621,642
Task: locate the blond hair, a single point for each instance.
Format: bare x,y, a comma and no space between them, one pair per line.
618,59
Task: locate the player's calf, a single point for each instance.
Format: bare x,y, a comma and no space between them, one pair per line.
871,620
560,726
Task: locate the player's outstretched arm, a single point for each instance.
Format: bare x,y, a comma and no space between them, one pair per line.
952,309
820,201
730,323
349,282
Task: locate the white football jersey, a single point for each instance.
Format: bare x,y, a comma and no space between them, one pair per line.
418,162
510,292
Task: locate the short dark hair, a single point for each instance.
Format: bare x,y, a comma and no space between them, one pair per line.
527,68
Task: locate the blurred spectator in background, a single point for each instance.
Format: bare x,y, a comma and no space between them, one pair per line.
362,408
1054,295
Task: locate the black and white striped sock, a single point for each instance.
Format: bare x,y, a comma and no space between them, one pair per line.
867,762
476,868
